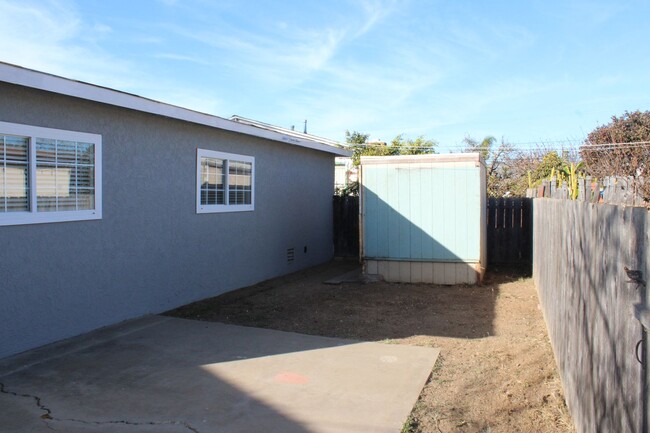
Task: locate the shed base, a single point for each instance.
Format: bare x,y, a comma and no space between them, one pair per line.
448,273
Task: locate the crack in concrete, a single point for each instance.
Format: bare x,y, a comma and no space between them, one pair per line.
135,423
41,406
48,417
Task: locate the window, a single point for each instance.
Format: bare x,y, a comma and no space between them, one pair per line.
48,175
224,182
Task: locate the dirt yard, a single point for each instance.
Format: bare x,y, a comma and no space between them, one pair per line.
495,373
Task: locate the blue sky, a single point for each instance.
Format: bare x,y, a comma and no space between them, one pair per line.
528,71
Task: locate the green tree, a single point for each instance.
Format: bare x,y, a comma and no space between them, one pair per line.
499,173
484,147
358,143
407,146
360,146
356,138
551,163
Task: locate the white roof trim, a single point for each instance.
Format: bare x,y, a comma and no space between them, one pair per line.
423,158
52,83
282,130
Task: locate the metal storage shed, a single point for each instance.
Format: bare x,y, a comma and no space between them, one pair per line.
423,218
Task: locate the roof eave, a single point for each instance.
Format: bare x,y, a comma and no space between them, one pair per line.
52,83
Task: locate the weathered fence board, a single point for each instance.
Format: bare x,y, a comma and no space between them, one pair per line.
509,231
346,226
612,190
580,250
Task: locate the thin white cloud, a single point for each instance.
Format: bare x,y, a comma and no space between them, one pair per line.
310,54
595,12
375,12
381,66
268,58
58,42
54,19
424,84
102,28
148,39
283,54
486,39
182,58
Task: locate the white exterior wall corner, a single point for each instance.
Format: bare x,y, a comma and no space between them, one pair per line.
151,251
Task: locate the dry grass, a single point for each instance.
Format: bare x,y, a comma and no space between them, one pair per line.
496,371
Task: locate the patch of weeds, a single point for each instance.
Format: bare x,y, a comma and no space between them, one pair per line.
411,425
413,422
438,365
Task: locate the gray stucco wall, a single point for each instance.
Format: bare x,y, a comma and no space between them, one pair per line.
152,251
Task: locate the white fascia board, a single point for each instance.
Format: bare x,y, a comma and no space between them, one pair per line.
423,158
51,83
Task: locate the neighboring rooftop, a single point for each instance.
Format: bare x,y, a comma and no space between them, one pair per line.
285,131
19,75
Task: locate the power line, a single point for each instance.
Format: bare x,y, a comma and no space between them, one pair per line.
542,145
629,145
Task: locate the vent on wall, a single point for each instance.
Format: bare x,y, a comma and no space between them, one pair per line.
290,255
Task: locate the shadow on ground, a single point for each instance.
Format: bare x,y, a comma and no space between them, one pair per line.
496,370
160,374
301,302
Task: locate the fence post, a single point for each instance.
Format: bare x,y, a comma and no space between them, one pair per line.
546,188
607,189
582,192
553,184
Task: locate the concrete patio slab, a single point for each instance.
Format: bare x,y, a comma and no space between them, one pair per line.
167,375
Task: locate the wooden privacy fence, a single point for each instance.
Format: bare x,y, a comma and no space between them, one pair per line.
612,189
580,252
346,226
509,231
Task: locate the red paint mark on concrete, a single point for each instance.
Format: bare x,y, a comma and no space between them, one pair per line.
291,378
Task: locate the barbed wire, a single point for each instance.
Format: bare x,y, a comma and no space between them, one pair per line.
517,146
630,145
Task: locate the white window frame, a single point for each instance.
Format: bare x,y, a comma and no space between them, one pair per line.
226,207
33,216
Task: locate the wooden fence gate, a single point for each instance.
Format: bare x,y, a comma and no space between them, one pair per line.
346,226
509,231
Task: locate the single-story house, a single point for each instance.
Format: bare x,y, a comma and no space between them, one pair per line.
114,206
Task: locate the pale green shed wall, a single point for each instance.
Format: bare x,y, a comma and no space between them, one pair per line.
428,208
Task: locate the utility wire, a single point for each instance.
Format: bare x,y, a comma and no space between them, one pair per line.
513,146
